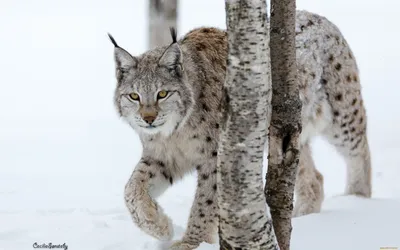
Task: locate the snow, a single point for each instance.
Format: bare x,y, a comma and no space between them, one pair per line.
66,156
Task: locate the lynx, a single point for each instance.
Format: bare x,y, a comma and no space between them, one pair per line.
171,96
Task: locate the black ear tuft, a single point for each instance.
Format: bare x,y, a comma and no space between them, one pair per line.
113,40
173,34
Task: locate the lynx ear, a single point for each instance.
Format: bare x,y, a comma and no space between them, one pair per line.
123,60
172,56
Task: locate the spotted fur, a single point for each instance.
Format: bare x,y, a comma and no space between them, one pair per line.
185,131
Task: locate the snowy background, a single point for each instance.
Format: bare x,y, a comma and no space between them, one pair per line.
65,156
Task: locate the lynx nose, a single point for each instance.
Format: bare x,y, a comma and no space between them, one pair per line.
148,114
149,119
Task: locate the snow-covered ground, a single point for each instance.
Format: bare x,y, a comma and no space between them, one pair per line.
65,156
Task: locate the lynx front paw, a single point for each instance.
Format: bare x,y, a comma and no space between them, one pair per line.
183,245
193,241
149,217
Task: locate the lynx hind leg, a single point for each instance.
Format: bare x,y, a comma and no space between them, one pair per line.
348,129
146,183
309,187
348,135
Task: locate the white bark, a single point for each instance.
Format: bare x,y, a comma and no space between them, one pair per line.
245,222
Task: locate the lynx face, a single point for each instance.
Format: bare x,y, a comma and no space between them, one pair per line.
151,94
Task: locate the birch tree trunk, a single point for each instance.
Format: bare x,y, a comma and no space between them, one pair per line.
162,16
285,128
245,222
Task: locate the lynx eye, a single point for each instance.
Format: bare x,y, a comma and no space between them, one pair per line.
134,96
162,94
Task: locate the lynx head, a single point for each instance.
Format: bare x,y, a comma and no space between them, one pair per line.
152,92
